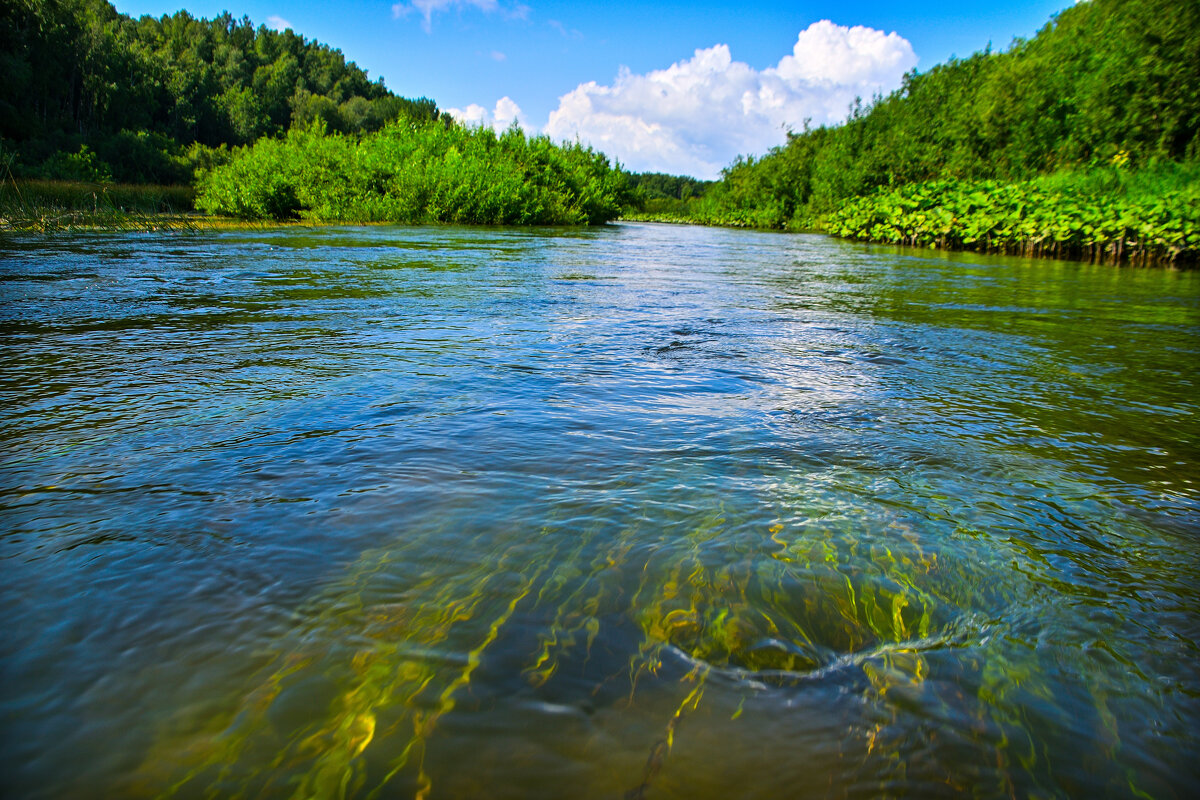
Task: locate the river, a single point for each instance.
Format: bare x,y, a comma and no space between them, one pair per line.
634,511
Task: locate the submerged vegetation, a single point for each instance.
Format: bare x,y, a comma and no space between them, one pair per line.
1080,142
692,618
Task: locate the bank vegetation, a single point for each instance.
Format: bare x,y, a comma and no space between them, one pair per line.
1080,142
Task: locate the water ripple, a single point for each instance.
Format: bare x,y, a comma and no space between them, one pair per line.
759,515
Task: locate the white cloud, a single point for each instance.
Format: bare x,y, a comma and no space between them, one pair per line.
277,23
697,115
568,33
427,8
473,114
496,55
830,53
504,114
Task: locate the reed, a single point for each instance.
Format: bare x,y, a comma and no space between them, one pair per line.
46,206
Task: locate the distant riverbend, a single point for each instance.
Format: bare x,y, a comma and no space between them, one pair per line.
632,510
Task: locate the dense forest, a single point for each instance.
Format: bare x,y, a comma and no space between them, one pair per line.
265,124
1092,128
91,93
657,192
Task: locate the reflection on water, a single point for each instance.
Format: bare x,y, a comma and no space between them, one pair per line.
640,511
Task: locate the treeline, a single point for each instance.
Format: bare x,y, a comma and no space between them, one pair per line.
657,194
415,172
1106,85
89,93
660,186
266,124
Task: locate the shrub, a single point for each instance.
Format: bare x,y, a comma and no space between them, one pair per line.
412,171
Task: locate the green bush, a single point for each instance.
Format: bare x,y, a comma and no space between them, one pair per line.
1081,142
416,172
81,166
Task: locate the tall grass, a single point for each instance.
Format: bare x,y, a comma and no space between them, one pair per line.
47,206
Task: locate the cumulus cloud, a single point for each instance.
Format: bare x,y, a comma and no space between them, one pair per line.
427,8
697,115
499,118
278,23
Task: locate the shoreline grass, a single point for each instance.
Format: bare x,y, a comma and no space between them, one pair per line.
45,206
1147,218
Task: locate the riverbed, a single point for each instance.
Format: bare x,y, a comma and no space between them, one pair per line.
641,511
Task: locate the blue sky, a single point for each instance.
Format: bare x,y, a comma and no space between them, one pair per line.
604,72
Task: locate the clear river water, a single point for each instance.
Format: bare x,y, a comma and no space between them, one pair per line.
635,511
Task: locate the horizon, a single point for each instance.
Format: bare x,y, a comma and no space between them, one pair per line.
684,98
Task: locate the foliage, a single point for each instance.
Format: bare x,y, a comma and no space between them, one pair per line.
141,93
81,166
45,205
1038,217
659,186
416,172
657,195
93,95
1107,84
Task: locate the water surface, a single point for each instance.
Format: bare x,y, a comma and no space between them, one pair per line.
636,511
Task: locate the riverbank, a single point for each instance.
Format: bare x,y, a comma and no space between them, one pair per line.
1095,158
1107,217
56,206
1149,217
1111,216
45,206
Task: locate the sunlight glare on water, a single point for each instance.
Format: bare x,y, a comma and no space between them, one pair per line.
640,511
